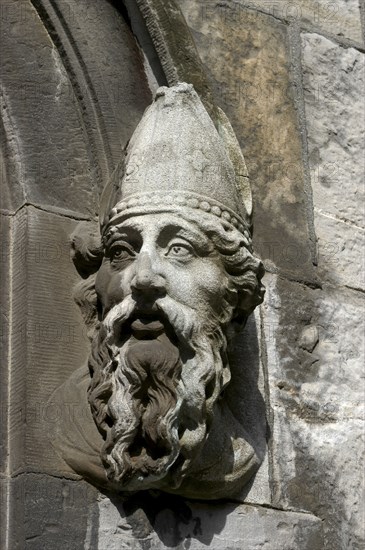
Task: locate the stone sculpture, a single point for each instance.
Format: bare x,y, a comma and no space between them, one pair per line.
172,281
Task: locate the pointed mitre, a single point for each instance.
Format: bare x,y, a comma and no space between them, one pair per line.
177,158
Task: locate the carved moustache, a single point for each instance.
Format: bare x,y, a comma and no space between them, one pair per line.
182,319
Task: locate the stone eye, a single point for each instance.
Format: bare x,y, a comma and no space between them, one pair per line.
180,251
118,253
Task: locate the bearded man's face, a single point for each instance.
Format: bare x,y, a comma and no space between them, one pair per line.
159,358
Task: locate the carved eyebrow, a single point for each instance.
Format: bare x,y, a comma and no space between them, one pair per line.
130,234
172,230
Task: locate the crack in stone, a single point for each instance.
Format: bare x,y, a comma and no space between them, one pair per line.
338,219
63,212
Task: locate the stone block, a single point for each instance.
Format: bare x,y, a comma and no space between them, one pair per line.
5,222
4,507
341,18
340,245
48,339
56,337
47,512
69,101
335,145
246,56
13,300
315,346
334,82
157,522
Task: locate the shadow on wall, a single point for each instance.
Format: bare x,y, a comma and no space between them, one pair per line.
245,393
173,519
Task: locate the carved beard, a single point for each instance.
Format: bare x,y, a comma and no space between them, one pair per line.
153,398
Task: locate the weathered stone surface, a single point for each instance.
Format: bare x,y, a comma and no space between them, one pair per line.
47,336
13,283
335,140
317,402
69,75
246,55
247,396
314,337
165,522
335,114
340,252
47,512
5,230
55,334
341,18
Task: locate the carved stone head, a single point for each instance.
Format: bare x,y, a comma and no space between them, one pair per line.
175,280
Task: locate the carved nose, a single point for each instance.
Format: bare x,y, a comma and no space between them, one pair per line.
146,278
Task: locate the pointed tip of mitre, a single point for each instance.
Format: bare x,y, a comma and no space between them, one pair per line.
177,150
170,93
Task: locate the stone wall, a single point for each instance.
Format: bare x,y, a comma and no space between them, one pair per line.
290,76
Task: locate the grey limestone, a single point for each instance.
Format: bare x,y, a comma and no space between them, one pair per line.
75,84
5,274
340,251
316,395
47,512
247,58
13,278
62,62
181,524
335,128
45,328
340,19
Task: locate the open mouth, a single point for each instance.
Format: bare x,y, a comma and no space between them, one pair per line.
147,323
145,328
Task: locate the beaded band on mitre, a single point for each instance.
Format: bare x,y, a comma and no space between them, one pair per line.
191,200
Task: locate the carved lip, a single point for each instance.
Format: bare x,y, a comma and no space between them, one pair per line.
147,326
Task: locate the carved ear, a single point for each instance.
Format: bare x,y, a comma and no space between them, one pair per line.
86,248
252,294
87,255
248,302
233,149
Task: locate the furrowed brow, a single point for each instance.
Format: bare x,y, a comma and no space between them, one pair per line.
195,237
130,234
